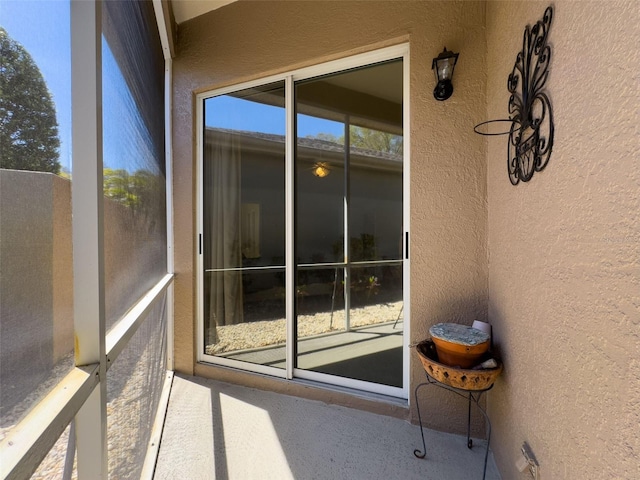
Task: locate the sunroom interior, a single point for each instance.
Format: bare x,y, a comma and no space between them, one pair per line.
264,200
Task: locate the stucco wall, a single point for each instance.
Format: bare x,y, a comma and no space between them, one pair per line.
36,276
247,40
564,272
26,266
62,261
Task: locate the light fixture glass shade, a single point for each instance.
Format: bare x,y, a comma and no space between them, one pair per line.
321,169
443,66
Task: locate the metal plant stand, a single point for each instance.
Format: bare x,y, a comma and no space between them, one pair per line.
473,396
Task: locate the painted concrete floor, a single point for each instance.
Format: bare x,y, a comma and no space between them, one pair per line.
372,354
214,430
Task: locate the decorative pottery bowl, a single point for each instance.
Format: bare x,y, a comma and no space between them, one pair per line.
474,380
459,345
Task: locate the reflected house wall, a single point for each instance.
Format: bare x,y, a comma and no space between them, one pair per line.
262,184
375,201
376,190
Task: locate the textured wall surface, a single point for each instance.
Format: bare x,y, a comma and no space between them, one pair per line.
36,277
564,270
62,260
248,40
26,284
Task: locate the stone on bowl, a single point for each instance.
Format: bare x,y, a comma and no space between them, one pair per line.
459,345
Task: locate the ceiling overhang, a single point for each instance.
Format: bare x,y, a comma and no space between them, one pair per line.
184,10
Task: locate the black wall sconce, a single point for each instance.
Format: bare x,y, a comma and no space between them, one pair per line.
443,66
530,123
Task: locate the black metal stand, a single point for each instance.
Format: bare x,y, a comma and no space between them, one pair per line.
472,395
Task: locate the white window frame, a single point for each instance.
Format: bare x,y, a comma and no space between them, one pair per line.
294,374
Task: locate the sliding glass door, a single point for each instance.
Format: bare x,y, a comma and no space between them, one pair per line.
243,242
348,224
303,223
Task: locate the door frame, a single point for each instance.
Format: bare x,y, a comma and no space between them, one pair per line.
400,51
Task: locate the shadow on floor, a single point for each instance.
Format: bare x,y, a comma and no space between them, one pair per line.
215,430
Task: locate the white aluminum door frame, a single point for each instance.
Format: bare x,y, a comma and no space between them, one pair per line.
370,58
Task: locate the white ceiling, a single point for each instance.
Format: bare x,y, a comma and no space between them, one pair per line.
184,10
386,83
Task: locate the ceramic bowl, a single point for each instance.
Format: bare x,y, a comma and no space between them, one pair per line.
459,345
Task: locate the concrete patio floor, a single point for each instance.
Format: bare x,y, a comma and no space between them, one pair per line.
371,353
214,430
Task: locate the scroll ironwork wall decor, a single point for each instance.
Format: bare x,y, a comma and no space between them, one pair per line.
530,114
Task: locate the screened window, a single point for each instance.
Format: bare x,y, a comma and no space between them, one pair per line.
135,227
36,281
133,155
80,239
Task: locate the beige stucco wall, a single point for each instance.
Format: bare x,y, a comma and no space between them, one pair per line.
564,274
62,261
36,275
26,285
449,272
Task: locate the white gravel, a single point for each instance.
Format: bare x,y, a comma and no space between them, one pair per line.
248,335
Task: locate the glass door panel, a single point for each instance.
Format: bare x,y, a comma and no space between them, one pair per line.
320,190
307,280
375,317
375,220
348,224
244,225
320,312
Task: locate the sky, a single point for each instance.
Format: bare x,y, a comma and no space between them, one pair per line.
42,28
234,113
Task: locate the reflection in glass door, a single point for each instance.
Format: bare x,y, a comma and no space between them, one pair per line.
302,227
348,223
244,226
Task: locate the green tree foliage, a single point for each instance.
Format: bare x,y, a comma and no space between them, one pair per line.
328,137
118,186
142,191
375,140
28,127
368,139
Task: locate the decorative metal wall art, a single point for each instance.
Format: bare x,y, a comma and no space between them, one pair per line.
530,114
